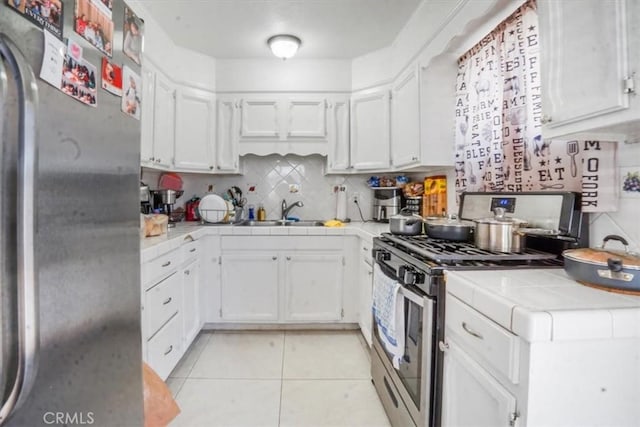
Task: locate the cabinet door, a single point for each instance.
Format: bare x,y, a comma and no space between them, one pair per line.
307,118
470,395
190,302
195,130
227,141
146,125
338,124
164,121
259,118
584,58
405,120
249,294
370,131
365,284
313,287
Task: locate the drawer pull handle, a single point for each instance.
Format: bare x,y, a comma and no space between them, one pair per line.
394,400
365,249
169,350
166,264
192,250
167,301
471,332
187,272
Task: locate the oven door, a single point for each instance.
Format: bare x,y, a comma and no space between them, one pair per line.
414,378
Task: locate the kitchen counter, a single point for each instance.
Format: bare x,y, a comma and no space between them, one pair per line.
152,246
547,305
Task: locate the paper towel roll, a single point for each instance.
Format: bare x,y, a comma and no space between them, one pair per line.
341,203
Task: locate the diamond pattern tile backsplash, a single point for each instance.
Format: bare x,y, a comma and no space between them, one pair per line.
275,177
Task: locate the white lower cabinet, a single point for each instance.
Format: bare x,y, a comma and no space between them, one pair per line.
191,301
165,348
283,279
365,291
313,287
249,287
471,396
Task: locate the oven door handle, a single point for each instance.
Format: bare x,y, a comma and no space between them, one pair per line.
388,271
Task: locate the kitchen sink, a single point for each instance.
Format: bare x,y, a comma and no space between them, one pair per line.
306,223
276,223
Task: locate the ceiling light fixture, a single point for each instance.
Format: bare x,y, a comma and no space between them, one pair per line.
284,45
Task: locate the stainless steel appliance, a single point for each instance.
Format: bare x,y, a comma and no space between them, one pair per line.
69,242
387,202
411,395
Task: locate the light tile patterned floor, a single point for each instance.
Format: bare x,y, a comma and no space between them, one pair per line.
265,378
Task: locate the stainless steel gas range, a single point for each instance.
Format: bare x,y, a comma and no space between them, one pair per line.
411,394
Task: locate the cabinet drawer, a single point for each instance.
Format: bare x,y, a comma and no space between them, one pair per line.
498,347
159,267
165,348
161,302
365,250
190,250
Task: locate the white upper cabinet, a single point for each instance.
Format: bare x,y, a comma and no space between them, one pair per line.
284,124
307,118
405,120
259,118
338,124
370,130
585,47
195,130
146,121
164,121
227,135
437,110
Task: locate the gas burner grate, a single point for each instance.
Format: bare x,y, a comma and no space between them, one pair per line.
445,251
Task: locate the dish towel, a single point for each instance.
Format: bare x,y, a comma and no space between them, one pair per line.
388,312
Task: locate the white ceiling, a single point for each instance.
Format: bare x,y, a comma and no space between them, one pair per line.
240,28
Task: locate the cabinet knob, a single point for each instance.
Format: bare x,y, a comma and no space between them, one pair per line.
152,158
187,272
274,258
218,167
288,258
443,346
415,159
210,167
546,119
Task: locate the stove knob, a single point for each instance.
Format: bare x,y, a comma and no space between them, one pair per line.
419,278
407,274
382,255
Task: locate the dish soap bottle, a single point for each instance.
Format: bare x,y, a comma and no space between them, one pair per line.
262,214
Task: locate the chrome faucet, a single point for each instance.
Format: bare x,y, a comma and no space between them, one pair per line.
286,209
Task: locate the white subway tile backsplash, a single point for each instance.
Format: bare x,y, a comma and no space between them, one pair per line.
274,176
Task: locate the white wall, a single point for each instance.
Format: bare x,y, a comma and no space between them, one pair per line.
625,221
256,75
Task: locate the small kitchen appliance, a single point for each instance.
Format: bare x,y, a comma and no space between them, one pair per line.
145,199
163,200
412,394
387,202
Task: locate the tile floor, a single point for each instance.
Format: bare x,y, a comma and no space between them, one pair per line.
279,378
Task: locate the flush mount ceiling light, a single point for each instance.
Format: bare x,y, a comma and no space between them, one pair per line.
284,45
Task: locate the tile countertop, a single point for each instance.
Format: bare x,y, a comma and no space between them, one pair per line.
151,247
547,305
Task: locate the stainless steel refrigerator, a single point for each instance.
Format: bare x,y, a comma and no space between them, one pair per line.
69,241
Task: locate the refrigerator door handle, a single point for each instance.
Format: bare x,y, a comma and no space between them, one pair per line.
27,291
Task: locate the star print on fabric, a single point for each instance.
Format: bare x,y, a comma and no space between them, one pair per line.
543,163
558,160
512,32
531,28
518,130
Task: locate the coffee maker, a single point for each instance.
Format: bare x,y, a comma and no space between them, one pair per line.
163,201
146,203
387,201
